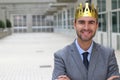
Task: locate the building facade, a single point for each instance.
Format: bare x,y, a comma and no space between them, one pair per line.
58,16
109,22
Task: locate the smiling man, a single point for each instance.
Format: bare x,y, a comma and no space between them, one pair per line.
85,59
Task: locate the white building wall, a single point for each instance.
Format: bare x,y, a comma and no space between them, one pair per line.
2,14
114,41
101,37
29,23
107,38
25,1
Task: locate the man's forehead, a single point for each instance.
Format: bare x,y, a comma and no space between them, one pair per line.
87,18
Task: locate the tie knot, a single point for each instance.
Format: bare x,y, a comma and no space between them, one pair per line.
85,54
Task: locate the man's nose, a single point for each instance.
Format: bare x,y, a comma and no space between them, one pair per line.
86,26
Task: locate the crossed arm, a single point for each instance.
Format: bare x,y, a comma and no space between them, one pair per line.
64,77
112,69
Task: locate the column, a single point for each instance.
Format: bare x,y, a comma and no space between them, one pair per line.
3,14
29,23
109,27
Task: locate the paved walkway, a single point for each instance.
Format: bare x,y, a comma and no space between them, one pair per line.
29,56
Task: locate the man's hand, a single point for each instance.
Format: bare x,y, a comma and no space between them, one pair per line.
113,77
63,77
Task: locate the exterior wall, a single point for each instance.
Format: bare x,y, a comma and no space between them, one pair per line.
24,1
105,34
30,23
108,33
102,38
2,14
114,41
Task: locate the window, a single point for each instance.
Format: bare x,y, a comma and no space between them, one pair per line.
101,5
19,20
55,20
102,16
102,22
15,20
72,16
24,21
59,20
115,16
33,20
64,19
68,17
114,21
114,4
119,3
119,22
37,20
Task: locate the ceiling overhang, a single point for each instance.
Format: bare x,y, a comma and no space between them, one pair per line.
54,7
66,1
44,7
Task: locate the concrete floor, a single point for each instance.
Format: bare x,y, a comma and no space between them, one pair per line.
29,56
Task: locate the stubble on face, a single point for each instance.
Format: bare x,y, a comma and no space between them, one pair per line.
85,38
86,28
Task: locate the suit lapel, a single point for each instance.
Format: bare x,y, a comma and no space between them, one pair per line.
76,56
93,60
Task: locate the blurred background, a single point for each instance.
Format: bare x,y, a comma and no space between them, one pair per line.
32,30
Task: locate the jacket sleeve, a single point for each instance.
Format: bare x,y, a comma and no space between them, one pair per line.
113,66
59,66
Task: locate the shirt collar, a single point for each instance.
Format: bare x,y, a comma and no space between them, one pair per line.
81,50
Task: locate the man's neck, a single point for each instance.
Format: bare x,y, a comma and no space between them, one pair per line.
85,45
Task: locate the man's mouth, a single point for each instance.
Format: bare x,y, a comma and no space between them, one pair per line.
86,32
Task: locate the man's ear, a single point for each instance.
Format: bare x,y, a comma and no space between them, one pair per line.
74,23
97,25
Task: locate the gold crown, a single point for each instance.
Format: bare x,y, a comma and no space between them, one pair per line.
88,10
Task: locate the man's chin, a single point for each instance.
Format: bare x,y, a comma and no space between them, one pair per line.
86,39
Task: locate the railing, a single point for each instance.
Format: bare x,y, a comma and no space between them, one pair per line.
42,29
5,32
34,29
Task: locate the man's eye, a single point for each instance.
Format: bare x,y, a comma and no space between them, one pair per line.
81,22
91,22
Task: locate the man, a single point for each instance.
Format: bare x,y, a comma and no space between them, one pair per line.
84,59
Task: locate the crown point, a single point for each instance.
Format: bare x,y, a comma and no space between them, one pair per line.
87,10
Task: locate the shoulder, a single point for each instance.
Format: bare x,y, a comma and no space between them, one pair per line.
103,49
64,51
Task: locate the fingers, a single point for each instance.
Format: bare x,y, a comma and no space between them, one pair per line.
113,77
63,77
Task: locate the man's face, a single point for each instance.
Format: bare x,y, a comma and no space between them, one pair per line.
86,28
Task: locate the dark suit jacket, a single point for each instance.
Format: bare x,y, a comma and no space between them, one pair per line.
102,63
